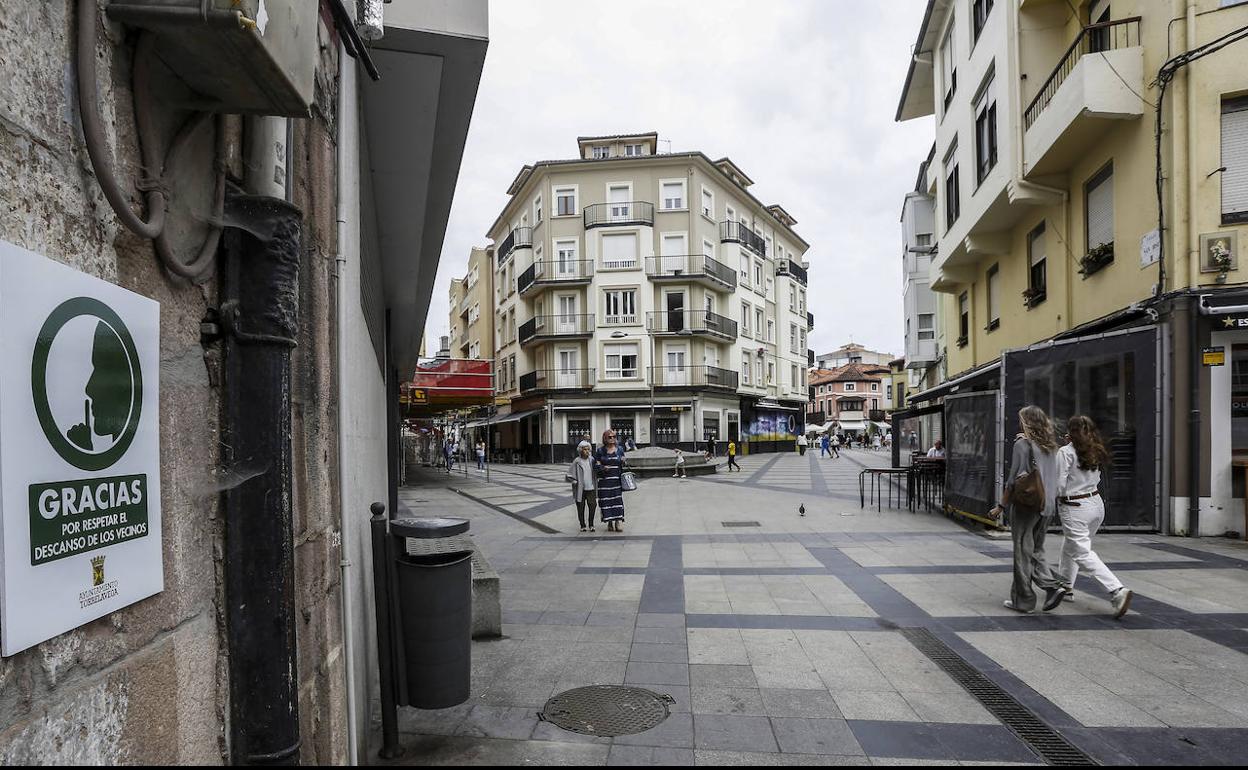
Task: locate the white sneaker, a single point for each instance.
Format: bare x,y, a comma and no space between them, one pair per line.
1121,601
1009,605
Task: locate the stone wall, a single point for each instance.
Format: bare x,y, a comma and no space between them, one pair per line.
148,684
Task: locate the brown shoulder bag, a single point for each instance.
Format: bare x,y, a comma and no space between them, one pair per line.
1029,495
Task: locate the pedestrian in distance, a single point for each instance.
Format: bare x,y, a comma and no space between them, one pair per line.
1030,495
801,445
937,451
680,465
609,462
630,445
710,447
824,446
1081,510
876,442
480,455
581,474
836,446
732,456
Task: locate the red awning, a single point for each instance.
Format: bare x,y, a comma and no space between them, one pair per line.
448,383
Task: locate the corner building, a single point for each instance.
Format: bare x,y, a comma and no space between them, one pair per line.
651,293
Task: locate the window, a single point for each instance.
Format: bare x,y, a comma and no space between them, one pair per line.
948,64
980,9
771,372
875,386
985,130
621,361
619,251
1099,208
771,330
850,387
673,195
794,380
923,239
745,270
745,318
511,371
565,201
792,338
927,326
619,196
621,306
801,300
632,150
771,288
964,319
537,211
994,298
758,370
758,322
792,297
952,194
758,275
602,151
708,203
708,249
1036,277
1235,159
745,368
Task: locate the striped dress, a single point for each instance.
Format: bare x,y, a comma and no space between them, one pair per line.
610,494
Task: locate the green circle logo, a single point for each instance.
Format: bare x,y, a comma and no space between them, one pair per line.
87,383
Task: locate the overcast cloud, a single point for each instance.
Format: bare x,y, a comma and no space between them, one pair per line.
799,93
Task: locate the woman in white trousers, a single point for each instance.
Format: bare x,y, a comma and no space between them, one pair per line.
1081,509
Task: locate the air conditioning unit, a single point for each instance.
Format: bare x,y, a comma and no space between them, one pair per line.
237,56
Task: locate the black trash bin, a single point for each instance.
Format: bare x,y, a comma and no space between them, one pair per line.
433,598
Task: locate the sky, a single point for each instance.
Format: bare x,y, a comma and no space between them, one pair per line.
800,94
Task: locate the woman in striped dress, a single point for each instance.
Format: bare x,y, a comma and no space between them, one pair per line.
609,461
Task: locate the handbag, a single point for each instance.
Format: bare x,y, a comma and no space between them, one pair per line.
1029,494
628,481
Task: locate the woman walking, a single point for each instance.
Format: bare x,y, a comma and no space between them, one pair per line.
584,493
1035,461
1082,510
609,461
480,454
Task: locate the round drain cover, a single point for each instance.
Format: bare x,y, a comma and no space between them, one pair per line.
607,710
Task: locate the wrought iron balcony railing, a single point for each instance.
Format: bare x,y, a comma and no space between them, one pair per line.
691,322
558,325
792,267
689,376
519,238
1094,38
557,379
739,232
691,266
557,271
619,213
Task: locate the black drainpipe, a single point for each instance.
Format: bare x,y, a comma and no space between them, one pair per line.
394,448
1193,417
259,318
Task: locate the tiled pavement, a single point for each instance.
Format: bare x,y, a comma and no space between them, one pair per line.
780,642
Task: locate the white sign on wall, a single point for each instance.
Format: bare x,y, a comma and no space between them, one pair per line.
1150,248
79,448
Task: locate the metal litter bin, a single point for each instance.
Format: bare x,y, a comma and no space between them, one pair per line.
433,599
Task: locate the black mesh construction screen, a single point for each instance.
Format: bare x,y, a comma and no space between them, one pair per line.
1113,380
971,432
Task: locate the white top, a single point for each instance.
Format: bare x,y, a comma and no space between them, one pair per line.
801,441
1071,479
934,452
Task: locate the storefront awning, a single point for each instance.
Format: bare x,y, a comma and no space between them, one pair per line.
852,424
617,407
777,405
513,417
958,383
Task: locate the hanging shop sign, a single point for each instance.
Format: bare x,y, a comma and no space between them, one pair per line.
79,448
1215,356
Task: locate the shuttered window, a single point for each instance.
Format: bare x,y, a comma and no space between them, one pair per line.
994,298
1099,197
1235,159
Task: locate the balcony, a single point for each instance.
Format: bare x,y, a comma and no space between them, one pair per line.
876,415
1084,96
619,214
739,232
557,379
560,326
792,268
520,238
692,268
810,320
568,272
693,377
665,322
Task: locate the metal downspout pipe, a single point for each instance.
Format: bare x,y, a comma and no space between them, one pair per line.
348,198
1193,271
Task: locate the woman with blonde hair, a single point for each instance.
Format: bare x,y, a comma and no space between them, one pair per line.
1082,510
1030,494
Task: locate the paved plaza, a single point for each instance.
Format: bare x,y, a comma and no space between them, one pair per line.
799,640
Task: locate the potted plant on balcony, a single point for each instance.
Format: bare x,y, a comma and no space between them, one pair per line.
1096,259
961,342
1220,257
1032,296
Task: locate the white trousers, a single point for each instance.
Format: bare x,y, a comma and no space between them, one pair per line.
1079,523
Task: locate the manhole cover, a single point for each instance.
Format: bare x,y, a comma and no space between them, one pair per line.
606,710
741,524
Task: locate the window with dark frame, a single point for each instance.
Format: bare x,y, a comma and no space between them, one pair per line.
985,131
1098,198
980,10
994,297
948,64
1037,275
964,319
1235,161
952,195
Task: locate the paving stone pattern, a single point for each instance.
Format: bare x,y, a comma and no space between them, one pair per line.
780,644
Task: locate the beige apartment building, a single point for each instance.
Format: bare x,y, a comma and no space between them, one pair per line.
471,322
648,292
1071,271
